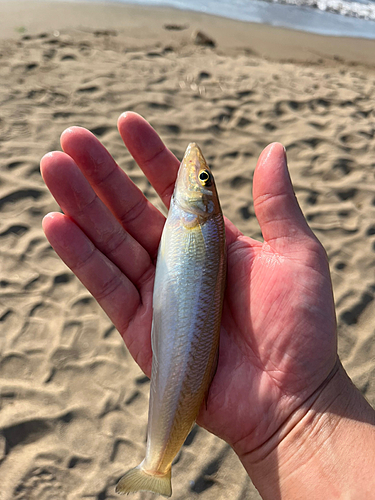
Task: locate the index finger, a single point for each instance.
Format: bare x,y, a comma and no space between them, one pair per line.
150,153
124,199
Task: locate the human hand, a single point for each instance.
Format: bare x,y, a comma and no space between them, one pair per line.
278,335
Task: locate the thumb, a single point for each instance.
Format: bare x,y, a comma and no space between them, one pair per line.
276,207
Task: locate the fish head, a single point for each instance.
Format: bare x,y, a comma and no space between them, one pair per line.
195,190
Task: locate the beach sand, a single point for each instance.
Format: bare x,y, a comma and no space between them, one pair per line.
73,403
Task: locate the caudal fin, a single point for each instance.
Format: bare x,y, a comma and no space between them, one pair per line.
139,480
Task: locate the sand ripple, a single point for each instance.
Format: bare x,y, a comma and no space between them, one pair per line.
73,403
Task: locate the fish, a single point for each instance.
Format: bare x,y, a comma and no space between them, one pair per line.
188,297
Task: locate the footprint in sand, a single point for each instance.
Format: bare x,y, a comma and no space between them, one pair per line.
206,478
42,483
351,316
20,196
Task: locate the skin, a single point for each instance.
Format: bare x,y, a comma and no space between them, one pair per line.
278,379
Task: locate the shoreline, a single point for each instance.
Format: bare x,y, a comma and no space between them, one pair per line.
145,26
285,13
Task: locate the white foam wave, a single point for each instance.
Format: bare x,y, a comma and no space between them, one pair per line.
350,9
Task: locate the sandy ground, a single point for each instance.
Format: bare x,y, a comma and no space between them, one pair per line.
73,409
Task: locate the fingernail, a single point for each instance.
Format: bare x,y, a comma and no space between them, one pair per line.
51,215
46,218
47,155
265,154
277,145
70,130
285,157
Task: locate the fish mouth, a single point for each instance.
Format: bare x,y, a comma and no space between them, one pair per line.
194,155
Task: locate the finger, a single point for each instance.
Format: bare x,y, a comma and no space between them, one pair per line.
148,150
125,200
77,199
156,161
276,208
111,288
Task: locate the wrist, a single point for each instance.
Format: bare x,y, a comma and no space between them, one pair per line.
310,454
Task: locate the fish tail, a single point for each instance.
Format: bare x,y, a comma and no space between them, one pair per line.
138,479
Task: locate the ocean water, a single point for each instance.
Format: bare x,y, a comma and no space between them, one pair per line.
352,18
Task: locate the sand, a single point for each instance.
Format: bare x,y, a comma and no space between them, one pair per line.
73,403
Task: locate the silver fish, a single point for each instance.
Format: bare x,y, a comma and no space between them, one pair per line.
187,305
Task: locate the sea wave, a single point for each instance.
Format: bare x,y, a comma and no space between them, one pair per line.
350,9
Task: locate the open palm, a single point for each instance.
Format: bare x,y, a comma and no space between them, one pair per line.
278,336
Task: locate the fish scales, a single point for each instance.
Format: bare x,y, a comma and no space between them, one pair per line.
187,304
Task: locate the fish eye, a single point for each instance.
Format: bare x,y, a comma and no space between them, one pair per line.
205,177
